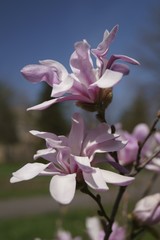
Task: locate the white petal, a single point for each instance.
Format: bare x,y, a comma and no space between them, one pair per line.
44,135
58,67
94,227
154,165
43,105
48,103
95,180
76,135
28,171
62,188
62,88
48,154
115,178
83,163
108,79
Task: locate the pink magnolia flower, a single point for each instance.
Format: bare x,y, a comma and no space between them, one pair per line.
118,232
128,154
71,160
95,231
64,235
147,210
86,82
94,228
150,147
154,165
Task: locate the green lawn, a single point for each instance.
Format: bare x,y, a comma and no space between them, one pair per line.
45,226
42,226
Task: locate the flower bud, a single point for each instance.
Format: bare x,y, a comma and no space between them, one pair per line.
147,210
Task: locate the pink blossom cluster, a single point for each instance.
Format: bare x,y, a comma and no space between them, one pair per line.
81,159
128,155
85,82
72,159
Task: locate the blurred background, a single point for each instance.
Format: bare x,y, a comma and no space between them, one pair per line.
36,30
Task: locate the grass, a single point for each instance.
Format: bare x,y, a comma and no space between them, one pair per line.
43,226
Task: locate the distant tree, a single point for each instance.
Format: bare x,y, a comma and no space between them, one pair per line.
52,119
138,112
8,129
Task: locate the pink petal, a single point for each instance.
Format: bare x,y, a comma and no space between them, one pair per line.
117,179
83,163
106,146
100,132
108,37
108,79
62,88
28,171
153,168
147,210
94,228
44,135
120,68
62,188
48,103
76,135
123,58
154,165
95,180
58,67
81,63
141,131
48,154
54,143
110,146
126,59
38,73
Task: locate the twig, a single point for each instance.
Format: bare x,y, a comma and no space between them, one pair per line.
140,167
114,211
141,145
97,199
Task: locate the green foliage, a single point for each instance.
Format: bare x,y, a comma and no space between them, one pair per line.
53,118
8,131
138,112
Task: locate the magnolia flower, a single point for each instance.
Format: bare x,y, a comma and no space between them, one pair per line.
71,160
94,228
150,147
140,132
95,231
128,154
154,165
64,235
118,232
147,210
86,84
153,146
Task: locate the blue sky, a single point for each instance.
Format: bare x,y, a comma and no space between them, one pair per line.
33,30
